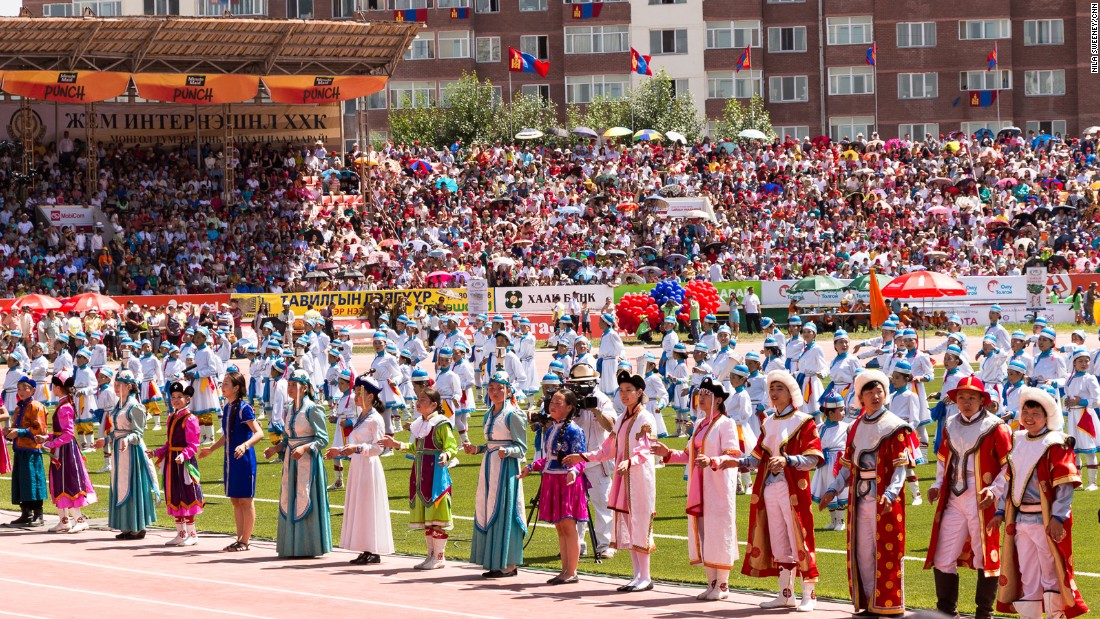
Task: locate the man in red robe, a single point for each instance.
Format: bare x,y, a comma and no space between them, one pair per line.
1037,564
873,468
972,457
781,523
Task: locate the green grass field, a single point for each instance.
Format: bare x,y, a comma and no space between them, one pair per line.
671,556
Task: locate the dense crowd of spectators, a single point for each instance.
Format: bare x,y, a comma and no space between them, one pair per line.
541,214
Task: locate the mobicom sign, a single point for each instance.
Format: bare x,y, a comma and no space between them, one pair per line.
65,88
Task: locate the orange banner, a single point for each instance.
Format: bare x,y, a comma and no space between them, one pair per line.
196,89
66,86
296,89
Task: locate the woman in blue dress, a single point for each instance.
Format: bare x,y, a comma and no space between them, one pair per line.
499,524
242,431
134,486
304,526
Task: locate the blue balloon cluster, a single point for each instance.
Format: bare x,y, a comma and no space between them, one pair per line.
666,290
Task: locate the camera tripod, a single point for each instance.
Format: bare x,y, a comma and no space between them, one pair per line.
533,510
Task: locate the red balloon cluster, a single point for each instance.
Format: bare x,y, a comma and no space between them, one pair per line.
632,307
705,294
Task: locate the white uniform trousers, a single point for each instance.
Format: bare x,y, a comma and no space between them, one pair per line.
1037,572
777,500
597,500
960,521
866,512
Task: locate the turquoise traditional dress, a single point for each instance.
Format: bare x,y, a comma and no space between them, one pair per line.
499,521
134,486
304,528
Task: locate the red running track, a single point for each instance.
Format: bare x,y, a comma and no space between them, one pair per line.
90,575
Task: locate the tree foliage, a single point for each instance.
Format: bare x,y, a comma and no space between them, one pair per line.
737,116
655,107
526,111
472,110
410,123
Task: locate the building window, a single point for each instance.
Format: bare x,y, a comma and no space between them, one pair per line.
668,1
969,128
412,94
790,39
401,5
585,88
487,6
1045,83
851,81
597,39
975,29
849,127
1044,32
918,85
351,106
918,131
536,45
538,90
488,49
797,132
1049,127
679,87
422,47
997,79
731,85
343,8
299,9
665,42
532,5
733,34
788,89
454,44
451,4
162,7
377,101
850,30
917,34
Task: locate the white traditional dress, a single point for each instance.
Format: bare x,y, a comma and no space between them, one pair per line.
834,438
204,380
367,525
610,351
1082,422
525,349
811,369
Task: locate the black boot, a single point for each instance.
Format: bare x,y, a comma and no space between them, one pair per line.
37,520
24,517
947,593
984,596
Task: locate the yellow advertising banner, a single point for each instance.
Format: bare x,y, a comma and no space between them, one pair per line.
312,89
66,86
196,89
353,304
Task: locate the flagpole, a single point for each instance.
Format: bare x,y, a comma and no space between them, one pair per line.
997,67
510,115
874,69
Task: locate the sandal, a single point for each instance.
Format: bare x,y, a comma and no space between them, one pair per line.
235,547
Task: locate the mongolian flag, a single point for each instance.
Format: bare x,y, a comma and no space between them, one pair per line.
587,10
420,15
983,98
640,64
991,59
745,60
518,62
872,54
460,12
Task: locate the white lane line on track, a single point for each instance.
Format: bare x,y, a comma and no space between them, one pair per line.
128,597
8,613
682,538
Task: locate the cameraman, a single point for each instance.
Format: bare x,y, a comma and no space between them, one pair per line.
596,417
540,418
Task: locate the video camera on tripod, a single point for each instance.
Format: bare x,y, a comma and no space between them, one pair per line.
583,380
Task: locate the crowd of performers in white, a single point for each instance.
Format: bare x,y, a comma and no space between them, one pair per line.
780,425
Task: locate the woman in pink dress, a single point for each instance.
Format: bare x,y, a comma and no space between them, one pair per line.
182,492
70,487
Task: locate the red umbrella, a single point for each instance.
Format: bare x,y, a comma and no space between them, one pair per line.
439,275
37,302
5,304
88,300
922,285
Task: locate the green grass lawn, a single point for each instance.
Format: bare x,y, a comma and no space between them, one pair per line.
671,556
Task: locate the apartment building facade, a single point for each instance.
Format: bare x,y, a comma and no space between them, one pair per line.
808,58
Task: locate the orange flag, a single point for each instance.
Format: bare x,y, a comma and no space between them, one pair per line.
879,310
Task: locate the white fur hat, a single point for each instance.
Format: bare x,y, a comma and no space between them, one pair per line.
788,381
871,376
1049,403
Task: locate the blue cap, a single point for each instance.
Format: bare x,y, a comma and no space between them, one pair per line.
344,375
1049,333
286,353
769,342
679,347
624,365
516,316
740,370
279,365
995,308
302,341
499,318
892,317
955,350
460,345
1018,366
809,326
1019,335
701,347
725,329
406,354
794,320
419,375
391,348
300,376
766,322
16,356
564,319
84,352
670,320
79,335
268,325
500,377
557,365
482,317
903,367
272,344
955,319
989,337
1041,320
909,333
525,321
369,383
189,331
402,319
752,356
551,379
1079,352
889,325
840,334
106,372
608,318
168,345
63,338
649,358
711,318
446,351
345,331
233,369
833,400
578,340
97,335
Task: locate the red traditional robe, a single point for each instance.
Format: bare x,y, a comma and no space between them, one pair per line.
889,437
990,453
1055,465
795,435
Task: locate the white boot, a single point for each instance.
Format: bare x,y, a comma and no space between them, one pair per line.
841,514
192,536
1029,609
181,535
832,521
429,542
439,546
720,588
79,522
785,597
339,483
156,423
809,599
1055,606
711,583
1092,480
62,525
914,489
